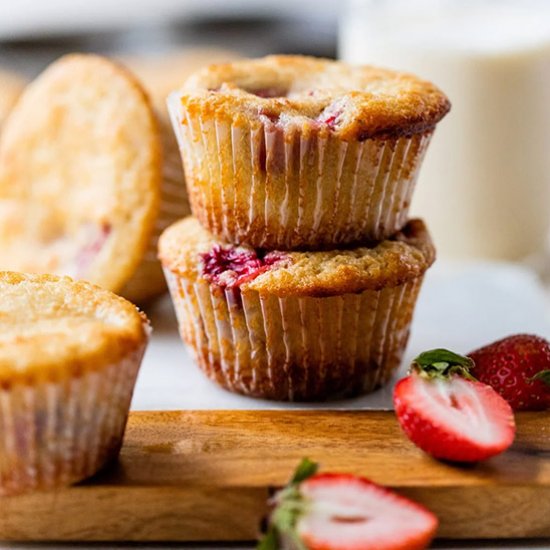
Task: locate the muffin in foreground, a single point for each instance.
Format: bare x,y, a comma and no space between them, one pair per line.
69,356
297,326
290,152
80,179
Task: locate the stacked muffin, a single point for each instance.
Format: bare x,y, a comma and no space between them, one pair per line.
298,278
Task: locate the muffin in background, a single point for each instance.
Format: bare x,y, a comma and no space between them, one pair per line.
80,178
161,75
296,326
11,86
292,152
69,356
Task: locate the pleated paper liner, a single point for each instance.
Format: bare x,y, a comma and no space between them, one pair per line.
277,188
53,433
148,280
295,348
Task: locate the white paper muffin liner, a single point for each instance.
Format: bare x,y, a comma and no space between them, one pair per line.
148,280
53,433
286,188
294,348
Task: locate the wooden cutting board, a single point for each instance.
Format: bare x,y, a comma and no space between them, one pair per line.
206,475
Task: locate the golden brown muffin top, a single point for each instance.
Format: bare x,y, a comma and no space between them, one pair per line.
354,102
53,327
80,173
189,250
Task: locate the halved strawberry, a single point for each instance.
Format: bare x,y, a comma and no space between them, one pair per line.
448,414
345,512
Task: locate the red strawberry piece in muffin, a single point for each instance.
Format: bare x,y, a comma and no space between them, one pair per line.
229,266
95,240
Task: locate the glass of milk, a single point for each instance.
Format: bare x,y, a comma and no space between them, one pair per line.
484,188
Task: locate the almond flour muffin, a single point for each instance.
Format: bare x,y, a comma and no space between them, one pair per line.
295,326
69,357
81,179
294,152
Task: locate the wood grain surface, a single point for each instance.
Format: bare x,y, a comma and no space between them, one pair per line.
206,476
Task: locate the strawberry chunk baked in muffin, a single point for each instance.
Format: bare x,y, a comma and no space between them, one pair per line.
69,356
81,188
296,326
295,152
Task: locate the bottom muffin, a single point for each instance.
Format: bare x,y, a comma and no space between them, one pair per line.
69,356
296,326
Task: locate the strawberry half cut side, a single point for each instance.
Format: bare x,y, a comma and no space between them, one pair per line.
448,414
345,512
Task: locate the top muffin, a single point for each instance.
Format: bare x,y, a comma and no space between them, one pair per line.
292,152
354,102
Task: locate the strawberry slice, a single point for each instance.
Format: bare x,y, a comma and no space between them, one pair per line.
448,414
345,512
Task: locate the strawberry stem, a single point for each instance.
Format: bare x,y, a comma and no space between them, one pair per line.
305,469
442,363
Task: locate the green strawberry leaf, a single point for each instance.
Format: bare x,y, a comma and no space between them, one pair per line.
306,469
270,541
442,363
543,376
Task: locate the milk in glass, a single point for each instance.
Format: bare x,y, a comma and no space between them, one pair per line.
484,188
